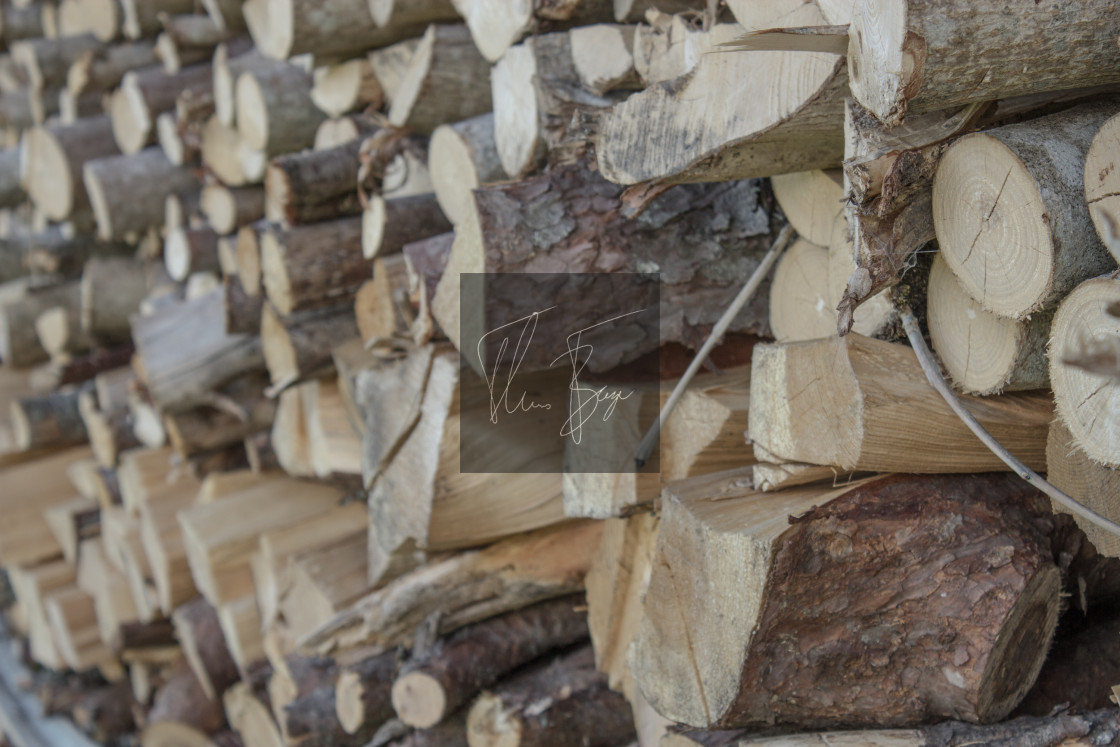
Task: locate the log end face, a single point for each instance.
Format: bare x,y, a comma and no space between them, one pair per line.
877,61
453,171
48,182
489,724
1102,184
348,702
251,112
419,700
516,117
373,226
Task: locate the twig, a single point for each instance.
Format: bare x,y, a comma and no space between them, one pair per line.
937,381
645,447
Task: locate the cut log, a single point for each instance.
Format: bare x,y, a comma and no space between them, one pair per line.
425,262
249,257
363,692
112,290
182,705
389,224
1102,189
60,327
228,65
55,158
11,188
251,717
47,61
603,57
315,185
461,157
811,201
200,635
984,353
907,56
179,376
144,95
1087,400
275,113
241,627
345,87
1010,213
334,132
338,30
190,250
566,702
189,38
497,26
222,151
750,671
837,402
397,13
681,133
446,81
52,420
128,192
73,622
243,312
389,65
19,344
227,209
466,588
799,307
335,444
312,716
101,70
436,683
706,226
298,346
21,22
379,303
1093,485
239,409
324,583
142,17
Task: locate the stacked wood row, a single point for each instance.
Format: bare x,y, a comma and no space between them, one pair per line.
237,321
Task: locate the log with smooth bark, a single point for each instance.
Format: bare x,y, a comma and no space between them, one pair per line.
315,185
275,113
461,157
141,18
731,654
55,158
434,684
1010,214
1087,400
19,344
315,265
364,692
447,80
190,250
682,132
127,192
913,56
47,61
101,70
388,224
243,312
852,403
112,291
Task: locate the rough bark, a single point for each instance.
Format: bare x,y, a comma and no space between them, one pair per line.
52,420
461,157
300,345
447,80
47,61
747,649
128,192
200,636
144,95
56,156
389,224
314,185
312,717
275,113
239,409
229,208
335,30
364,692
603,57
243,312
190,250
182,701
348,86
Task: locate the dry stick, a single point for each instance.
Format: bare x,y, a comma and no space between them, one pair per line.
937,381
645,448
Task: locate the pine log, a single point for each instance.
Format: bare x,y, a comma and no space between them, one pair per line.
363,692
496,27
446,81
536,91
720,227
1019,245
190,250
128,192
908,57
297,346
48,421
389,224
243,312
565,703
1084,332
837,402
199,633
227,209
339,29
55,157
144,95
469,587
461,157
1102,190
312,186
680,132
47,61
344,87
799,307
140,18
720,674
433,685
984,353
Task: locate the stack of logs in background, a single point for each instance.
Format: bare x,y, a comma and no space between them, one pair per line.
231,506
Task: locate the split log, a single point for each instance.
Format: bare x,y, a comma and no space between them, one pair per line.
55,158
1010,212
433,685
876,314
190,250
681,133
227,209
984,353
496,27
200,635
718,227
49,421
335,444
102,69
908,57
536,91
338,30
389,224
243,312
74,522
241,627
753,672
275,113
73,623
799,307
1085,333
335,132
446,81
566,702
812,201
843,391
47,61
461,157
672,46
778,15
182,711
312,186
298,346
128,192
142,18
603,57
251,717
109,430
1102,185
112,290
179,376
144,95
348,86
363,692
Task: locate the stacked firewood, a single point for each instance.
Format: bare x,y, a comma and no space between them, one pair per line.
232,401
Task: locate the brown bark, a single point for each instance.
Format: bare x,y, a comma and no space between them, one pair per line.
389,224
1081,669
106,713
312,266
364,692
182,700
312,716
147,93
314,185
275,113
566,703
229,208
101,70
451,733
238,409
47,61
243,312
51,420
112,290
128,192
200,635
300,345
190,250
435,683
56,253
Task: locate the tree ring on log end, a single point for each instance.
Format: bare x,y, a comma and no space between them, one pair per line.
419,700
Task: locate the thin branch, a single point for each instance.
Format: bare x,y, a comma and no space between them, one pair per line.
937,381
645,447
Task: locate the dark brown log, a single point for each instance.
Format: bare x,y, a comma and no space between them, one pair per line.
450,733
229,208
52,420
106,713
441,679
308,267
364,692
1081,669
88,365
65,253
564,704
300,345
200,635
243,312
182,700
314,185
312,716
137,635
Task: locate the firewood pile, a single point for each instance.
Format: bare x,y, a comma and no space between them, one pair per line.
238,398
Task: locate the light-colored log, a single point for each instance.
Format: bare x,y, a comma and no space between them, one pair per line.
141,18
144,95
389,224
190,250
47,61
275,113
102,69
799,307
316,265
55,158
1079,477
461,157
390,63
29,489
335,132
1102,184
227,209
348,86
603,57
812,201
